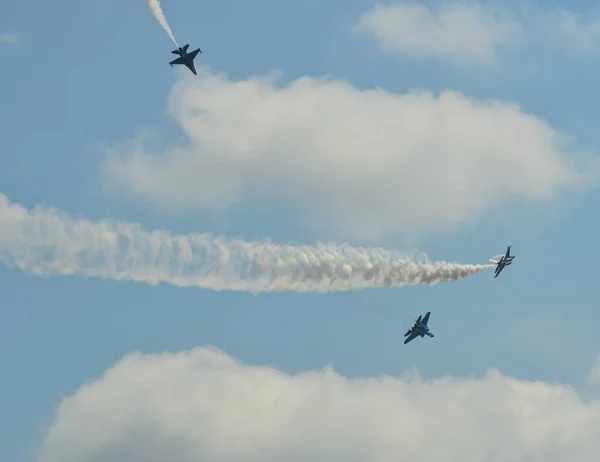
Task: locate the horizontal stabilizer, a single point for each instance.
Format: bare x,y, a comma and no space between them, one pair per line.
407,333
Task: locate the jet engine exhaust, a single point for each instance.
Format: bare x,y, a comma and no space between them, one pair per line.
45,242
156,9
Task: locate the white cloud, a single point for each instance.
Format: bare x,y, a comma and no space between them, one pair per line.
356,163
7,38
204,405
476,33
461,33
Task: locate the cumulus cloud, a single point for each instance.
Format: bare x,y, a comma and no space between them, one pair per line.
357,163
8,38
459,32
205,405
476,33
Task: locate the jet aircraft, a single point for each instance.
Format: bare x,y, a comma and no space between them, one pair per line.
506,260
185,58
419,329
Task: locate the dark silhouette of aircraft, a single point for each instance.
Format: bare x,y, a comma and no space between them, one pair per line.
420,329
185,58
504,261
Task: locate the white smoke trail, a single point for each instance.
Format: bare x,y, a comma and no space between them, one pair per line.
46,241
160,17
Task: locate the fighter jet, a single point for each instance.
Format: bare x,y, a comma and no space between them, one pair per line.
185,58
419,329
504,261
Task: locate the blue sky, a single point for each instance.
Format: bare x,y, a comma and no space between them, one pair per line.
71,87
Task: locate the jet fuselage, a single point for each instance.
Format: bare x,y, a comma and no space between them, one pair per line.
421,330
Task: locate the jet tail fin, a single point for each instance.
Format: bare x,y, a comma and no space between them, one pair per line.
175,52
407,333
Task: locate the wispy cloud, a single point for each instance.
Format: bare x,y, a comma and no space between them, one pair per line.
576,32
594,376
476,33
457,32
8,38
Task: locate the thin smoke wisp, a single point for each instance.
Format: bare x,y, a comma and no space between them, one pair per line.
154,6
45,241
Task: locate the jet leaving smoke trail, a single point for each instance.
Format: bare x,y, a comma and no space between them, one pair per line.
46,241
160,17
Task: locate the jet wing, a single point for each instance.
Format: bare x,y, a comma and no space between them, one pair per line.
507,256
499,270
179,60
412,337
426,318
193,54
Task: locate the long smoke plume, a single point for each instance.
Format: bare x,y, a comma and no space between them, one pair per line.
46,242
160,17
